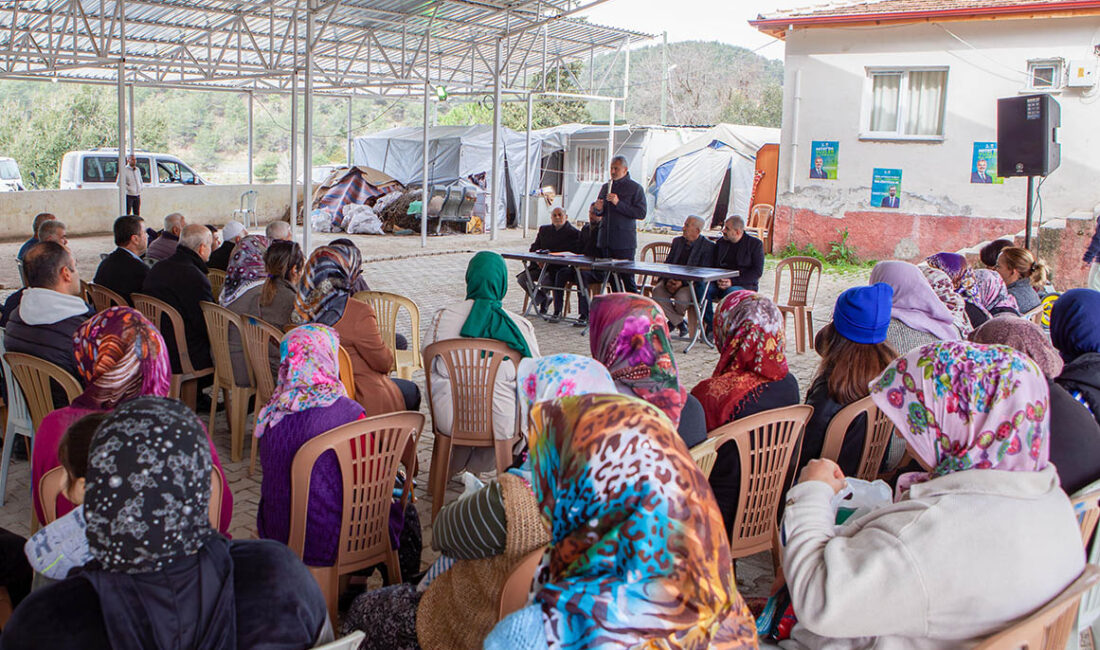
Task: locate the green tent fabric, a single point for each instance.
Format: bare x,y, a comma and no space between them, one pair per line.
486,284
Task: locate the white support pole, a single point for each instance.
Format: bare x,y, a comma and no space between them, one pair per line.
251,137
349,130
131,117
294,148
664,78
527,165
426,192
610,132
307,138
495,186
122,107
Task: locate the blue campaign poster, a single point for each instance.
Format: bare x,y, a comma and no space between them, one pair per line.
886,188
983,166
823,159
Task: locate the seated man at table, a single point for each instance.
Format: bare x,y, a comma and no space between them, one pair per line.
736,251
689,249
586,245
559,236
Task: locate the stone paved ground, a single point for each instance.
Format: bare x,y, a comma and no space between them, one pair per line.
433,277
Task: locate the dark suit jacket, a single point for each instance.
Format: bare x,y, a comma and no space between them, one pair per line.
890,202
556,240
122,273
219,259
587,243
746,256
699,254
181,282
824,173
976,178
619,232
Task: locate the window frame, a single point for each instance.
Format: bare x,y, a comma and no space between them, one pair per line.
867,105
1057,84
590,170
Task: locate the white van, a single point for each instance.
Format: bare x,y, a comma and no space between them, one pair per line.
10,178
99,168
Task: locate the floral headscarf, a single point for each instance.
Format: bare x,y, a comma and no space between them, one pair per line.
964,406
748,330
559,375
309,374
637,553
990,291
629,336
958,271
1024,336
246,268
915,304
332,275
119,356
945,291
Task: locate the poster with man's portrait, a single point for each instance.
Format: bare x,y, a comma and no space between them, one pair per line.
823,159
886,188
983,166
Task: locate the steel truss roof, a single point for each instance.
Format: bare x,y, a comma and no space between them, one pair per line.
376,47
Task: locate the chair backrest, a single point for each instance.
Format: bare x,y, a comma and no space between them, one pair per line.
22,272
1087,506
347,372
217,281
217,492
34,376
156,310
218,322
655,251
349,642
1049,627
802,270
386,307
103,298
18,413
761,216
258,336
705,454
765,442
517,587
472,365
369,452
248,202
880,430
49,488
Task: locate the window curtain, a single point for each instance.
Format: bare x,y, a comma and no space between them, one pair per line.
925,114
885,89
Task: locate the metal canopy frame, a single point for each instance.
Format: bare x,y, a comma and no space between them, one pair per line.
381,48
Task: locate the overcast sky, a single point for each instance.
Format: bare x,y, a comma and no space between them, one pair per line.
708,20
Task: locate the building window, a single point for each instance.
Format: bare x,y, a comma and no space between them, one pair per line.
591,164
907,104
1044,74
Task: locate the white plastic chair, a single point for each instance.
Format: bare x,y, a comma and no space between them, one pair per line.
247,211
1088,615
19,420
349,642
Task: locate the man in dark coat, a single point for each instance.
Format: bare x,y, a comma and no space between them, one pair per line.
232,234
559,236
621,202
587,245
163,246
736,251
181,281
689,249
123,271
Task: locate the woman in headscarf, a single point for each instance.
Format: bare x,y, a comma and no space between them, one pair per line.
982,538
751,376
119,356
244,273
991,295
482,537
161,576
957,270
332,276
609,471
1074,434
629,335
481,315
917,316
1075,331
273,299
945,291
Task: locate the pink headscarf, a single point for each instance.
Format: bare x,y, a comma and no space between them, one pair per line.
991,292
915,304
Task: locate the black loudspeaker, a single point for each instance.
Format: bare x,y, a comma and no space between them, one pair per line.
1027,142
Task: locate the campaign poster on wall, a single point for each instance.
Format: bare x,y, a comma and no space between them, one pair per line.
886,188
823,159
983,166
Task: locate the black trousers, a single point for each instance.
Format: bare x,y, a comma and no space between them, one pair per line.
410,392
627,279
588,277
133,205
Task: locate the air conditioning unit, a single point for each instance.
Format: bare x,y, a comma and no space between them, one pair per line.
1081,73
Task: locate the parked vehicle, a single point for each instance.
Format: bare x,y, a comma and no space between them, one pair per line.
10,178
99,168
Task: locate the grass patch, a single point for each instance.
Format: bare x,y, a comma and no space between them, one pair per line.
841,257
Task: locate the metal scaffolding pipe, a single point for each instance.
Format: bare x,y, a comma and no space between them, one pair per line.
349,131
307,138
251,137
294,131
527,165
425,194
122,107
495,184
131,117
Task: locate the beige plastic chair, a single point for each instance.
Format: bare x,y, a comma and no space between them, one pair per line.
258,336
1088,512
217,281
103,298
880,431
799,302
218,321
386,308
652,252
1049,627
369,452
184,384
347,372
517,587
472,365
766,443
761,224
705,454
34,376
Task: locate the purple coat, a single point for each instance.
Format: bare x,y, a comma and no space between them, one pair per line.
326,488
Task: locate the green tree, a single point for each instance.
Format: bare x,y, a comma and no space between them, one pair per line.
546,112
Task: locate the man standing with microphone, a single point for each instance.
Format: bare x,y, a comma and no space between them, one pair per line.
621,203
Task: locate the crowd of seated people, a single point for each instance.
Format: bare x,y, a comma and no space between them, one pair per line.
997,424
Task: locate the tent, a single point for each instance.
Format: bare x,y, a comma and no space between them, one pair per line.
454,152
693,178
350,186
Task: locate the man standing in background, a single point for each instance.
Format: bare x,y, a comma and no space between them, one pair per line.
131,175
621,203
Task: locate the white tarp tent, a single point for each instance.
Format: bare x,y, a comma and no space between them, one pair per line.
454,152
688,180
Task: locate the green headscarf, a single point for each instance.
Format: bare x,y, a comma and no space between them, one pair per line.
486,284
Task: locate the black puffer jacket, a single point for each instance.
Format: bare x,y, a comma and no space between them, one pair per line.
181,282
1081,378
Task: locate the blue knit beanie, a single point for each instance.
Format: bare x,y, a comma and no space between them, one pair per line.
862,314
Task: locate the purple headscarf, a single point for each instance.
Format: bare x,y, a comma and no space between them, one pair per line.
915,304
